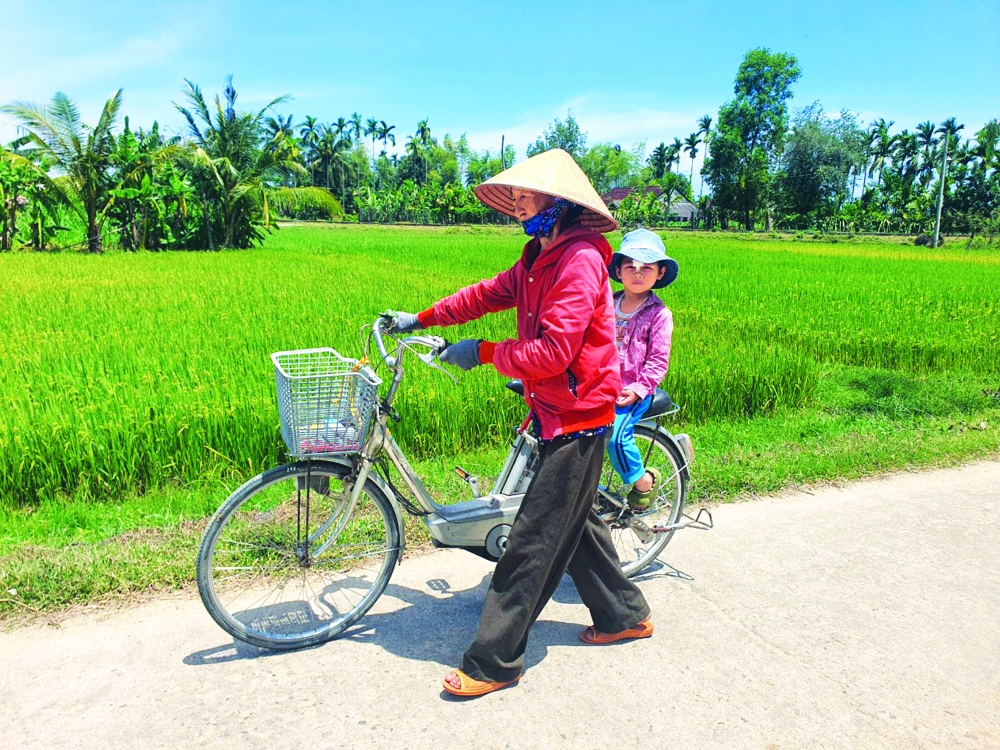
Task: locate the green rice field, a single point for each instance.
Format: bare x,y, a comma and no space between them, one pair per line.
126,372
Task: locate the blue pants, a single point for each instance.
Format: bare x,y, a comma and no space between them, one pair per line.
622,450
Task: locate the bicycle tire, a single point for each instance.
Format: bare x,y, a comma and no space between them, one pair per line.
634,554
260,586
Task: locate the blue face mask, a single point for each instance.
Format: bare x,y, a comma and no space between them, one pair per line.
540,225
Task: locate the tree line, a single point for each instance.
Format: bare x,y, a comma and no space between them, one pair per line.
230,173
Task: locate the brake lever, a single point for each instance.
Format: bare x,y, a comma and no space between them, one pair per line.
436,344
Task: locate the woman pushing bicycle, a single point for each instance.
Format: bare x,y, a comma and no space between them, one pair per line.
565,354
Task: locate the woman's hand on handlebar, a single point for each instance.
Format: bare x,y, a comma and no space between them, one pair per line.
401,322
463,354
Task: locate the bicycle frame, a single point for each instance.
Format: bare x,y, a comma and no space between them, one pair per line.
479,524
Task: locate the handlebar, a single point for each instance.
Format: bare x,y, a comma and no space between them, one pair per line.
434,344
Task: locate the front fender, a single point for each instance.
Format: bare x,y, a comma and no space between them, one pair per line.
383,487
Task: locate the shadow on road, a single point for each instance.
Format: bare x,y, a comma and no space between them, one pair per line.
438,626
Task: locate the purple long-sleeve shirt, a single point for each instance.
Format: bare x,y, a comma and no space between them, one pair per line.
644,353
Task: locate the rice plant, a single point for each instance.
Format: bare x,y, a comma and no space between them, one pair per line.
128,371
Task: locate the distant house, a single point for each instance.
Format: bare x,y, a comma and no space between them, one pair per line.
680,208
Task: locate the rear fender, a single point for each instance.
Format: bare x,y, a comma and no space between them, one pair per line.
666,434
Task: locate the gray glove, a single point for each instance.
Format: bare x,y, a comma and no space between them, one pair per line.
406,323
463,354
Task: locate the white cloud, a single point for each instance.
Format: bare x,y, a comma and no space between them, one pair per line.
626,120
55,73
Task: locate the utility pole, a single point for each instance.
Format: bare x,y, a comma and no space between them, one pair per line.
944,171
503,159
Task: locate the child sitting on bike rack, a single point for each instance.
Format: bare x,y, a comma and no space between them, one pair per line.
565,355
643,327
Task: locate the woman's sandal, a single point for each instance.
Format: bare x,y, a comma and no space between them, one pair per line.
639,500
594,637
472,687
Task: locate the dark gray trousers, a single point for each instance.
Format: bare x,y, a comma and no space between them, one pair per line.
555,530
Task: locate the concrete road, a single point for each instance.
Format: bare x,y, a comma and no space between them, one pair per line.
861,617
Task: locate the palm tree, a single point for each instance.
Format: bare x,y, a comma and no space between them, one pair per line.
949,128
227,150
704,130
414,149
691,148
343,127
674,154
355,128
309,132
371,128
423,139
925,136
331,157
884,145
905,153
279,126
658,161
82,154
385,134
871,138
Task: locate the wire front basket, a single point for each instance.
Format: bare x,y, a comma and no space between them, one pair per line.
326,402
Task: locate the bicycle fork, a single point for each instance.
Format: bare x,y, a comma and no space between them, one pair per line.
305,553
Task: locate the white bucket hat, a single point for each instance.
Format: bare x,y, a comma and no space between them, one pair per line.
645,247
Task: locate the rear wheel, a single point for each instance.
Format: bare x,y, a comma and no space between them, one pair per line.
288,562
635,544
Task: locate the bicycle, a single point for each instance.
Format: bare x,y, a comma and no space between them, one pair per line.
299,553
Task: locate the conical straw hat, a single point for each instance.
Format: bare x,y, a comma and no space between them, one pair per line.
553,173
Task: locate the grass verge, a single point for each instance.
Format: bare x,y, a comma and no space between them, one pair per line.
65,552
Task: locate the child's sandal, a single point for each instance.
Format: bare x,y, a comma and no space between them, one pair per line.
639,500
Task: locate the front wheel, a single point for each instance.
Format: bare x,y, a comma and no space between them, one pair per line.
288,561
636,546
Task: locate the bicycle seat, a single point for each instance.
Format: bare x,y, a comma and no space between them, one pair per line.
662,403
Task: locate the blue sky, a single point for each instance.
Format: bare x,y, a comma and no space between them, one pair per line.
629,71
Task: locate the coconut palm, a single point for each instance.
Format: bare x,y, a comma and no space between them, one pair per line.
279,126
81,154
309,132
884,145
235,171
331,158
691,148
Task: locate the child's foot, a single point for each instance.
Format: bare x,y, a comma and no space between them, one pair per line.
645,490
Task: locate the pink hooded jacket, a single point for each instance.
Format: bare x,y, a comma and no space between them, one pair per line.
565,349
645,352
